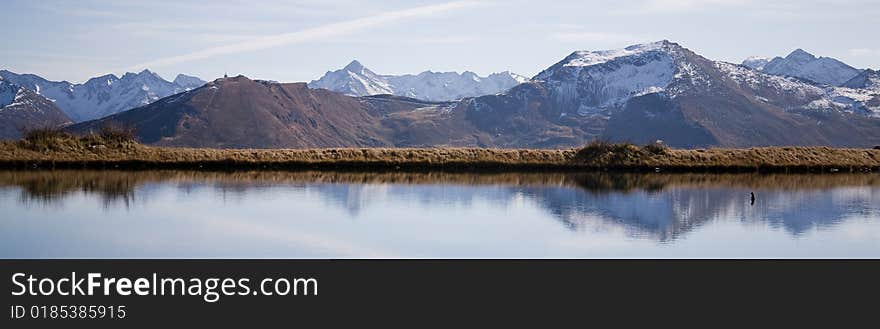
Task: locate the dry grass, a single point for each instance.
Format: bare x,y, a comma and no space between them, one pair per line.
113,149
56,140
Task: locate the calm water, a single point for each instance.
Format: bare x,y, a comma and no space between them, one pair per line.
170,214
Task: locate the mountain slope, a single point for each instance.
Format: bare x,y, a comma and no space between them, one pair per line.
861,93
242,113
868,79
801,64
356,80
22,110
664,91
104,95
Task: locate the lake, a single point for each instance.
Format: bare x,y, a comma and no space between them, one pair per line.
187,214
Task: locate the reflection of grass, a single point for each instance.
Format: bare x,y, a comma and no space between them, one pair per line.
117,151
48,186
113,185
54,140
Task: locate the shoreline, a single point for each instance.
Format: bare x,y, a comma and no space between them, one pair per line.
611,158
487,167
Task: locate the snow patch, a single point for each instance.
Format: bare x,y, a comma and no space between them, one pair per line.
590,58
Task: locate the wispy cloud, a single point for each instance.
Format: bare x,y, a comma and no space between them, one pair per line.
316,33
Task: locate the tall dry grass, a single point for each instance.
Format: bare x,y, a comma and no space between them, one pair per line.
115,148
57,140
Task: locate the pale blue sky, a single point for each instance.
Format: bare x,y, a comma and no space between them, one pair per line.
300,40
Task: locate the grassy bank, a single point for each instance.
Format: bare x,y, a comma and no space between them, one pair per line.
116,149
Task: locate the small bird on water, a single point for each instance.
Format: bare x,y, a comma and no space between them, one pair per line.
753,198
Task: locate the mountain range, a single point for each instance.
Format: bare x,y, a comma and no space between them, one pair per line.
238,112
641,93
104,95
801,64
22,110
357,80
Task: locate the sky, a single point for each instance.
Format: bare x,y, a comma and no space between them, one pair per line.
299,40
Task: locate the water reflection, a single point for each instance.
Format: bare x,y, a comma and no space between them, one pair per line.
656,207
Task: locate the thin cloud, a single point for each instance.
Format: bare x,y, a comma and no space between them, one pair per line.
316,33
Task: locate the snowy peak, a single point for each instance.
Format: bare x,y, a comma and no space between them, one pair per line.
354,79
803,65
103,95
756,63
508,75
354,66
582,58
357,80
588,82
107,79
800,55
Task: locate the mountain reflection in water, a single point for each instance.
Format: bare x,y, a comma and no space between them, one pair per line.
657,207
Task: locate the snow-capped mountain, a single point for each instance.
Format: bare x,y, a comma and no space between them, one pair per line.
861,94
756,63
641,93
662,90
801,64
846,88
588,82
356,80
105,95
22,109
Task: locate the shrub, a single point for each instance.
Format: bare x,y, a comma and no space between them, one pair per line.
117,135
44,134
877,147
594,149
42,139
56,139
656,147
605,153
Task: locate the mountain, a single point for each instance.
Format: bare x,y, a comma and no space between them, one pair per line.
640,94
188,82
103,95
356,80
22,109
801,64
756,63
664,91
861,93
868,79
238,112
